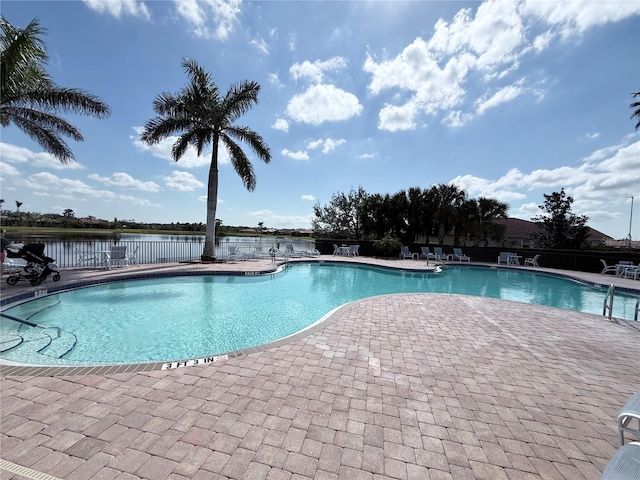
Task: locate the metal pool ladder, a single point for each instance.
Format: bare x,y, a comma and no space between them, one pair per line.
609,298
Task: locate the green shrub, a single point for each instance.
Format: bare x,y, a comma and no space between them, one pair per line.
387,247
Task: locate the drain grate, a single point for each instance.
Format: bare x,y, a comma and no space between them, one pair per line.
25,472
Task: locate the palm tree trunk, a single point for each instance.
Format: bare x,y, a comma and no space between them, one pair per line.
209,252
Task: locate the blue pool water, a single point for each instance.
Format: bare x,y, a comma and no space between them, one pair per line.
189,317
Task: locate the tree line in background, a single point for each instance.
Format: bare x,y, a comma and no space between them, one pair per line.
422,215
411,214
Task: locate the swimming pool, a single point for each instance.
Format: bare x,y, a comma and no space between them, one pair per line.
166,319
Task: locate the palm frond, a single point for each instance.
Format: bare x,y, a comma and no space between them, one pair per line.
636,112
241,163
253,139
29,98
51,141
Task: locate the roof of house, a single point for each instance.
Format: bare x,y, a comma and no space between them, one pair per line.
517,227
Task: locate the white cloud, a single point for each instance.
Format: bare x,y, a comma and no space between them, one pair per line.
315,71
596,185
10,153
299,155
274,220
281,124
124,180
118,8
327,145
503,95
323,103
209,18
275,80
310,198
366,155
476,51
393,118
261,45
182,181
575,17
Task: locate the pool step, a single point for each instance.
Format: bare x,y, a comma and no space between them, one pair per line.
36,343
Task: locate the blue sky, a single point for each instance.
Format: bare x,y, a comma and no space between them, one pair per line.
506,99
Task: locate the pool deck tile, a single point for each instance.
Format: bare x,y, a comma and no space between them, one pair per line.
422,386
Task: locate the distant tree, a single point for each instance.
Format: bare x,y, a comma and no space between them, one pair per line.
636,106
202,116
559,227
31,100
68,213
481,214
449,198
341,217
18,205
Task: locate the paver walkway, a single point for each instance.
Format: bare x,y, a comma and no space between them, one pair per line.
425,386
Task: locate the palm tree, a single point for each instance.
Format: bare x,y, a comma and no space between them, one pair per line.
18,205
30,99
449,198
202,116
636,106
482,214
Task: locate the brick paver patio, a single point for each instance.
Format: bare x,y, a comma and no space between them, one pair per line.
425,386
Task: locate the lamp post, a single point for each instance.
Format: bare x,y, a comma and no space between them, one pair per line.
630,221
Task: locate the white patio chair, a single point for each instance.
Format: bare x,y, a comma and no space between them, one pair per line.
86,257
607,268
336,249
234,253
632,272
629,418
625,463
532,262
118,257
131,257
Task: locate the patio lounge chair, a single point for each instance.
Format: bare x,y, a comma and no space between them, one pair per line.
532,262
336,249
440,255
405,253
625,463
458,255
629,415
426,253
607,268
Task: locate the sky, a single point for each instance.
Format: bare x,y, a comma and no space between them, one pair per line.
506,99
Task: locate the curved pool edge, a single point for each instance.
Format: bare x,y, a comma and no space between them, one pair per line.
8,368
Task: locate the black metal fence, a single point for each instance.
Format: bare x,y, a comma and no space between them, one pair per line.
578,260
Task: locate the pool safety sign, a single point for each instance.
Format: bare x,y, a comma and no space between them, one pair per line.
194,361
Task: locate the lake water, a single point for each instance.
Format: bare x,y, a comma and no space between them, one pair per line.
151,248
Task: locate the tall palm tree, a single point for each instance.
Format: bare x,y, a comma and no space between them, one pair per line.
30,99
636,106
202,116
450,198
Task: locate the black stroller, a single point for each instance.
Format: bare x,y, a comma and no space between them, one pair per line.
38,266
